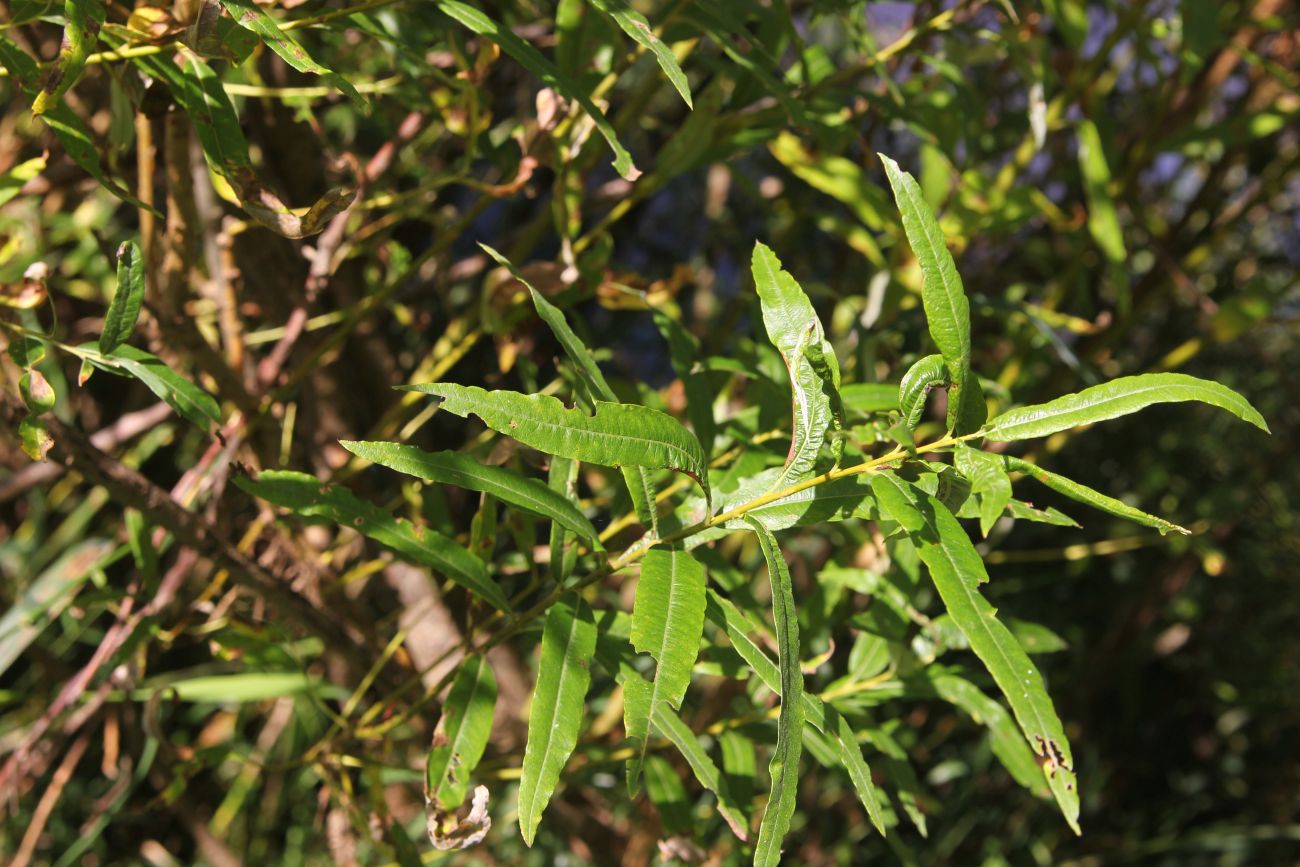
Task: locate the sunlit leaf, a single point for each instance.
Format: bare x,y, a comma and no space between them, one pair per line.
555,718
667,622
957,571
1112,399
452,468
947,311
615,435
784,765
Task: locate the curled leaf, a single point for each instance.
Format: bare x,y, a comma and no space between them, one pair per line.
468,831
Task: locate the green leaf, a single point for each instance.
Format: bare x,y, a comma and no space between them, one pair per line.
555,718
452,468
667,622
307,497
1103,221
36,391
947,311
989,481
190,401
550,75
794,329
462,733
634,24
82,18
915,387
616,435
615,655
957,571
251,17
821,716
240,688
127,300
34,437
1115,398
784,765
640,482
42,600
1086,495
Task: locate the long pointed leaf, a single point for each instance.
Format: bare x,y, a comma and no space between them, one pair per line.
124,309
947,311
723,614
784,765
957,571
794,329
667,622
555,718
462,733
1116,398
616,435
463,471
634,24
1084,494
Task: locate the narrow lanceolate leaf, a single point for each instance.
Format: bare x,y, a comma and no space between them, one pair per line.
616,435
1086,495
794,329
125,306
1115,398
550,75
190,401
462,733
615,655
957,571
822,717
452,468
251,17
82,18
947,311
640,482
634,24
989,481
555,718
667,622
784,765
915,386
1103,221
305,496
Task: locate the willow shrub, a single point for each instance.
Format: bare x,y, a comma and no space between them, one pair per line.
706,486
